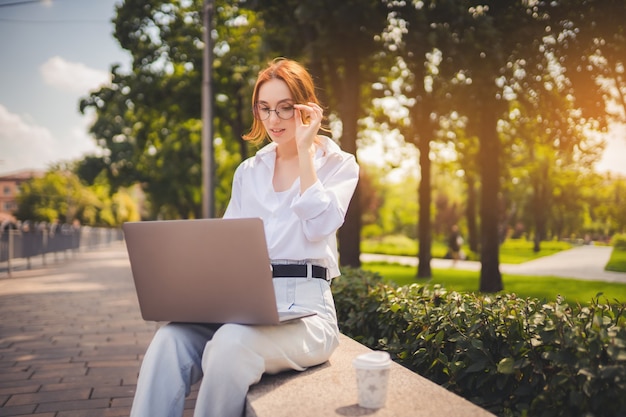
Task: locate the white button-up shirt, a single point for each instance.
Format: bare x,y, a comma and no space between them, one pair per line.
298,227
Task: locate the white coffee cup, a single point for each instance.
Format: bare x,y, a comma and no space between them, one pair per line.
372,375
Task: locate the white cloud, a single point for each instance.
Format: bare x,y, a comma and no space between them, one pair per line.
23,144
27,143
80,141
73,77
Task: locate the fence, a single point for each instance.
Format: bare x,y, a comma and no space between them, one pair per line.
27,244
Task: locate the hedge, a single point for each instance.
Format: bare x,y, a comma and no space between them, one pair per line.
618,241
511,356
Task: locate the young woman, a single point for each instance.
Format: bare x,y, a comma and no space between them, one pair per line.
300,184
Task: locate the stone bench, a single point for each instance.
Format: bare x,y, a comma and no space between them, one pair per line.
330,390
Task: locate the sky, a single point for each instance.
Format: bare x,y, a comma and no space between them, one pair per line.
54,52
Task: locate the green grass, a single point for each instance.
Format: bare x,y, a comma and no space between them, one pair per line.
542,287
390,245
517,251
512,251
617,262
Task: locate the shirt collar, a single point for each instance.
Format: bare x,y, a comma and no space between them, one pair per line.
267,154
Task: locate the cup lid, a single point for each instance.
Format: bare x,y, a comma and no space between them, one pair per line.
372,360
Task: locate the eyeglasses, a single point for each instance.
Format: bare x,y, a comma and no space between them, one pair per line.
283,111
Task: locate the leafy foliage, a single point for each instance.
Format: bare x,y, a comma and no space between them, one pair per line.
509,355
59,195
337,42
619,242
149,119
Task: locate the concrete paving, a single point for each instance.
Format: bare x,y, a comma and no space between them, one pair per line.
72,338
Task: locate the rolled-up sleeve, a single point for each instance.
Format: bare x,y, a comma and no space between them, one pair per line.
298,226
322,207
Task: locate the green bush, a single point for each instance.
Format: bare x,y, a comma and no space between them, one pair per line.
355,305
618,241
511,356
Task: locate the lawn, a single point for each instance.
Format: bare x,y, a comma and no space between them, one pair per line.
512,251
541,287
517,251
617,262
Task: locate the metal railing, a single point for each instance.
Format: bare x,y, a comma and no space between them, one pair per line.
28,244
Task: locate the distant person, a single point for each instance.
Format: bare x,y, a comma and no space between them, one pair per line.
455,241
300,184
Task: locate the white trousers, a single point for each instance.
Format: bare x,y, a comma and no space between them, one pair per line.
231,357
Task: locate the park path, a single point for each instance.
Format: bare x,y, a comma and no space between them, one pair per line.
71,337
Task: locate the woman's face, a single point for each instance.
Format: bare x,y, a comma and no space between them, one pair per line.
275,109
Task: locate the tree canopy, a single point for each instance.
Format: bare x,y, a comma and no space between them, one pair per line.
515,88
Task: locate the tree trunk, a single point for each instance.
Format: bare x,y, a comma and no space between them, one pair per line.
424,228
470,213
238,128
538,217
541,206
350,233
489,161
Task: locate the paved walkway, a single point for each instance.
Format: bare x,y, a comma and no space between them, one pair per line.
72,338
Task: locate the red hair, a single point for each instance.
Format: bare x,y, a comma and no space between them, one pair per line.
299,82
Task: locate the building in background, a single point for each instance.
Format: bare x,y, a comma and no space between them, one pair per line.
10,189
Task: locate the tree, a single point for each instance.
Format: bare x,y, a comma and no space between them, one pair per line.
146,117
593,47
476,44
499,46
338,41
454,129
148,120
412,37
59,195
486,38
549,145
236,63
420,32
56,195
617,205
372,199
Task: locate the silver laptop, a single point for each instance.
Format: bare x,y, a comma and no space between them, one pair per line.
204,271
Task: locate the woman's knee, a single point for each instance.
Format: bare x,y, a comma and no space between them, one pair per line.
176,339
169,336
230,338
232,348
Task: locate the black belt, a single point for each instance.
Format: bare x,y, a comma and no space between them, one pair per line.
297,271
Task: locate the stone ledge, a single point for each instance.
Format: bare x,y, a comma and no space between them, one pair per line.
330,390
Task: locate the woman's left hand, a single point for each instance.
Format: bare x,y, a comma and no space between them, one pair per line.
306,132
